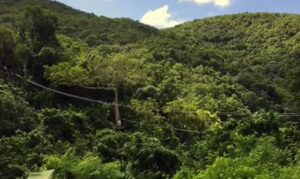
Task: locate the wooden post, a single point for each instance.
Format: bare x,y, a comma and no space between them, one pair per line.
117,112
25,71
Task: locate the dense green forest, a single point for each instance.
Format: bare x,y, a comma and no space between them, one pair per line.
209,99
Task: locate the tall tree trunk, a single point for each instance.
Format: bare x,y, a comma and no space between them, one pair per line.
117,112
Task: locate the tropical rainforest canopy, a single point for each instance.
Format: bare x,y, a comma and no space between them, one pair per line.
209,99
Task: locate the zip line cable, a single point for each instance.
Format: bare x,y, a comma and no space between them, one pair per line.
128,106
136,122
175,129
66,94
239,114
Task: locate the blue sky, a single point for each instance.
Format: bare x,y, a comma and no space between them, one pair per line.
167,13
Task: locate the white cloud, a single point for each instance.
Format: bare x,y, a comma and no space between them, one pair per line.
160,18
219,3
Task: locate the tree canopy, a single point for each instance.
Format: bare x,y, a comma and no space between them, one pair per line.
208,99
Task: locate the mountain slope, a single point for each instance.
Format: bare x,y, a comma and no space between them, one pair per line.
77,24
212,98
241,34
258,50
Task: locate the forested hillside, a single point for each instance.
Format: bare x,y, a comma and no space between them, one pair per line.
80,25
210,99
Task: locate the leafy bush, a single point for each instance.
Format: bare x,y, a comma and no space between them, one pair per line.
90,166
16,115
63,124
